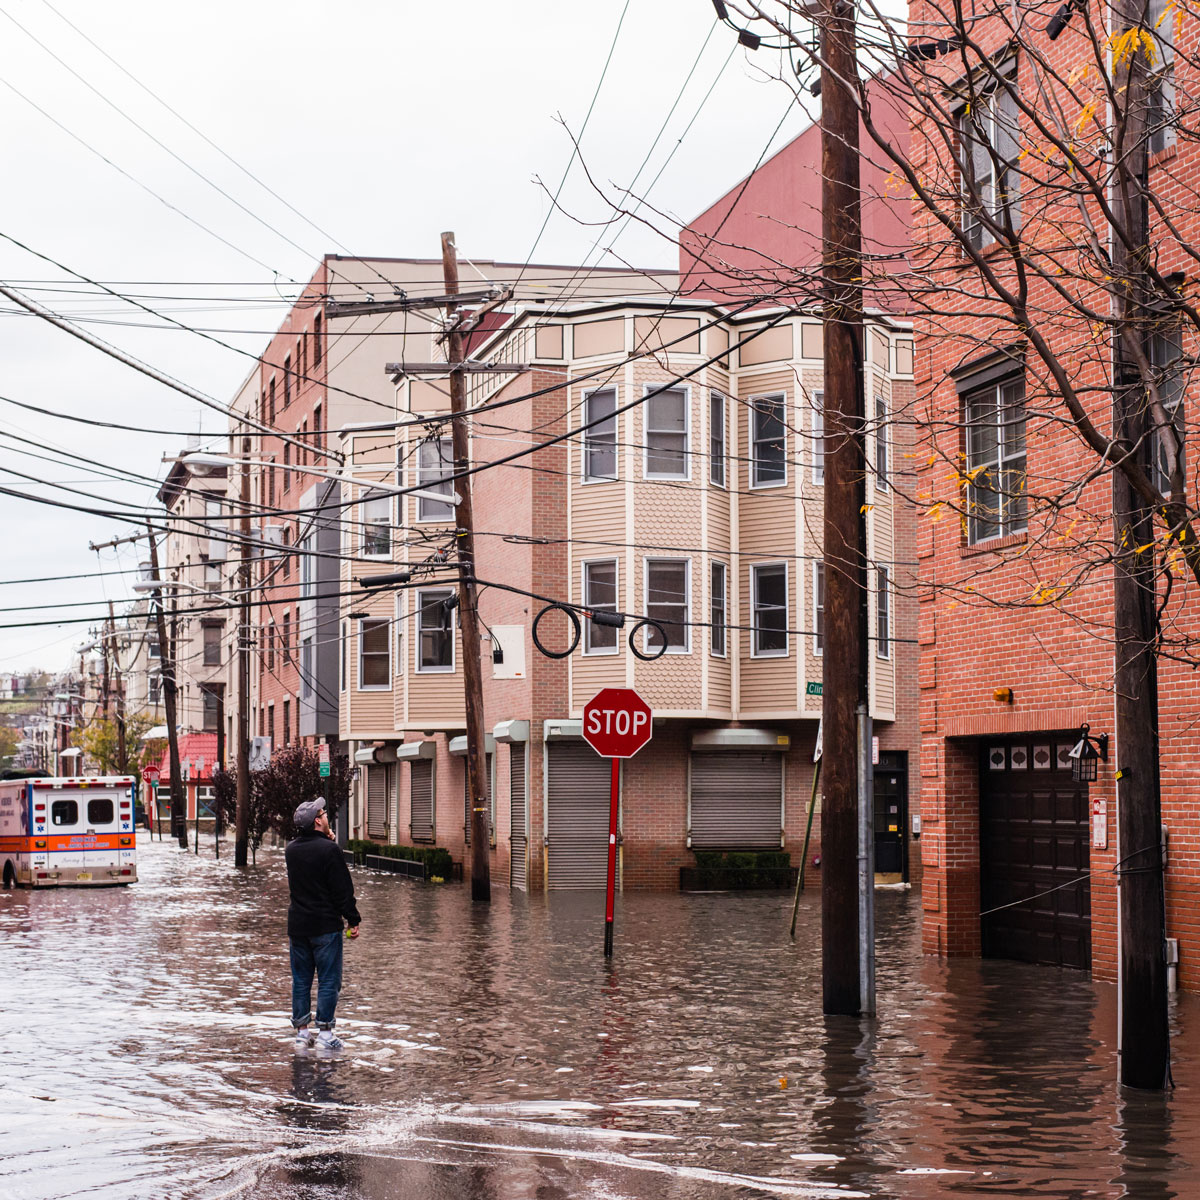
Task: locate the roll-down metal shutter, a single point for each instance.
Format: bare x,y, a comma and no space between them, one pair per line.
377,803
421,792
737,799
519,816
577,794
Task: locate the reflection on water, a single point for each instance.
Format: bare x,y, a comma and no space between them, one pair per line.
492,1052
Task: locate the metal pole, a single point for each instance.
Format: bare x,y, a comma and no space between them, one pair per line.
866,866
481,884
166,651
610,900
241,844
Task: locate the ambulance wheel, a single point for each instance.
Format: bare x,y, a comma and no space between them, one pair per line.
10,876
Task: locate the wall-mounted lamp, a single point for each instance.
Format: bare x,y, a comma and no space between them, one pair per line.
1003,695
1085,755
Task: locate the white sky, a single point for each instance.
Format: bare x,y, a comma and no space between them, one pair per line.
382,122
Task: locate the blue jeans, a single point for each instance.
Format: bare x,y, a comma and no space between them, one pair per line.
321,955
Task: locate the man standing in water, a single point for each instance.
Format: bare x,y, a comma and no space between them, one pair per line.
322,897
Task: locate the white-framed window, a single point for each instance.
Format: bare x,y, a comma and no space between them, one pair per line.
435,465
600,593
996,502
769,601
155,688
342,657
600,435
668,602
883,612
818,591
768,441
666,428
1166,359
1160,102
989,142
817,409
882,461
306,666
718,609
435,630
399,623
374,654
375,513
717,408
304,552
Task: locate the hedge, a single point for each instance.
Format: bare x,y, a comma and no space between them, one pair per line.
437,859
742,860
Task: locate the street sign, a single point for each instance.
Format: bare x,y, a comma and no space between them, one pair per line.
617,722
814,689
323,760
150,775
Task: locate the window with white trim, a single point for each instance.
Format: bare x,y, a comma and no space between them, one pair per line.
667,603
818,608
1166,359
768,442
882,465
989,148
374,654
375,512
1161,22
342,659
883,612
995,499
716,439
769,603
817,409
718,609
435,630
435,465
600,435
399,633
667,433
600,593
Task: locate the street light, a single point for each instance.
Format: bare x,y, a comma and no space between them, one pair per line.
1086,754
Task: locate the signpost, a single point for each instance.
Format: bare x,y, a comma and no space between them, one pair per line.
323,760
617,723
150,776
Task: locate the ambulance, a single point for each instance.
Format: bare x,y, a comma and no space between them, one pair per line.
57,832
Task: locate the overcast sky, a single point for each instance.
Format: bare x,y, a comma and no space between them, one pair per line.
382,123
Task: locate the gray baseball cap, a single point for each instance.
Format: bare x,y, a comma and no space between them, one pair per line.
306,814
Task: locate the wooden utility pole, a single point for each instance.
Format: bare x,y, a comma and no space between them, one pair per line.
481,885
241,845
844,524
1143,1039
119,681
166,651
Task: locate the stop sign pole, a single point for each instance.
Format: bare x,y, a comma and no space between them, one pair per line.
617,723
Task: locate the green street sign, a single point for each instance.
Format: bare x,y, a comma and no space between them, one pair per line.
814,689
323,770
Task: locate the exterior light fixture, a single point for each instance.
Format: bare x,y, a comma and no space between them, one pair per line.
1003,695
1086,754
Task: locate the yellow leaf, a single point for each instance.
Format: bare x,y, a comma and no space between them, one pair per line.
866,508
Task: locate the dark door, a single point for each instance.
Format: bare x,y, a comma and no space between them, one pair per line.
891,815
1034,853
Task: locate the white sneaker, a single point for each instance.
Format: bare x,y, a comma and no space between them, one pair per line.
328,1040
304,1038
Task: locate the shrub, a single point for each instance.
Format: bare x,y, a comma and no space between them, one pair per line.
436,859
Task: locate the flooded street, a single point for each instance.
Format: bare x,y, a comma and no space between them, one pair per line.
491,1053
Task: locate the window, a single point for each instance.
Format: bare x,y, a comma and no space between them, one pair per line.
881,444
271,484
374,653
768,588
988,137
306,667
318,440
271,646
285,640
271,401
287,722
995,460
600,593
1160,85
435,463
399,624
262,728
818,437
818,608
1166,355
101,811
285,541
318,349
718,607
435,630
212,644
287,380
768,467
304,551
271,723
154,649
342,659
287,460
302,359
667,434
155,692
716,439
600,435
376,513
883,613
211,699
667,603
64,812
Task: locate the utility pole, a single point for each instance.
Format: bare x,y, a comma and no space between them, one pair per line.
166,650
122,748
847,958
241,845
1143,1038
481,886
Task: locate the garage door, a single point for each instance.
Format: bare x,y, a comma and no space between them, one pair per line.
737,799
577,798
1034,854
518,816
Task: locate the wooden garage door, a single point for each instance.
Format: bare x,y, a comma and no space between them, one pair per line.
737,800
577,795
1034,847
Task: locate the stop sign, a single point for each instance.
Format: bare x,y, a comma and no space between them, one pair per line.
150,775
616,722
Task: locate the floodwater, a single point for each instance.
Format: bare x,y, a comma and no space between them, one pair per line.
146,1051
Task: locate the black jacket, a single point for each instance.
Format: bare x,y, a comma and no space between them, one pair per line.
320,884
